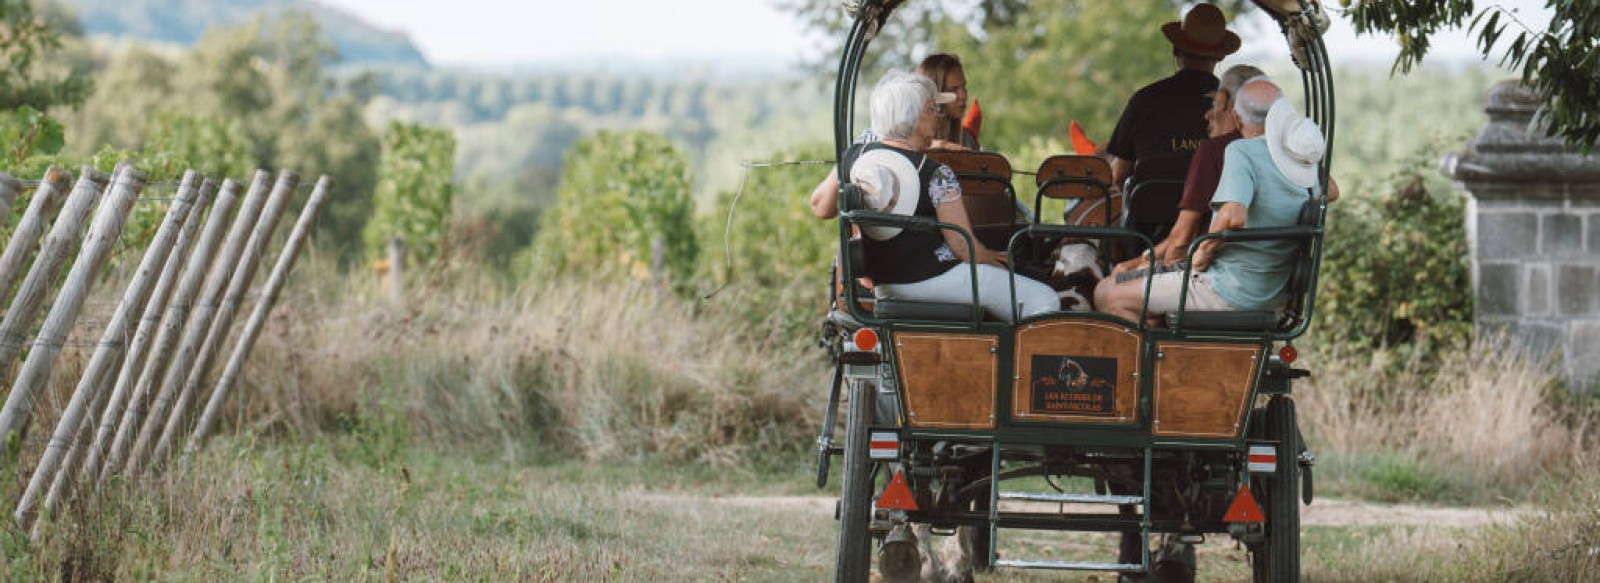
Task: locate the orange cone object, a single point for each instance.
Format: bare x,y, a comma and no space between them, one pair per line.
974,119
1080,141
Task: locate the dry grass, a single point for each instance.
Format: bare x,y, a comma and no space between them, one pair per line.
1481,425
381,442
601,371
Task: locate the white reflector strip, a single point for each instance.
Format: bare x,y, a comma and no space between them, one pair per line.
884,446
1263,459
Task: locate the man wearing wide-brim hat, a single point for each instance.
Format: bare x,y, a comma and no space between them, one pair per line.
1166,119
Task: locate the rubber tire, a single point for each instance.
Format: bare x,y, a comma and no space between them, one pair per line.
853,561
1277,560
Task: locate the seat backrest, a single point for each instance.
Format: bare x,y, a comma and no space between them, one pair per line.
1085,180
1155,189
1074,177
1305,265
985,185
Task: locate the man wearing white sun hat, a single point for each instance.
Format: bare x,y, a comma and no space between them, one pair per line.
1266,179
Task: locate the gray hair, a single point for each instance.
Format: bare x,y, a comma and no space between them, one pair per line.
1235,76
1250,112
897,104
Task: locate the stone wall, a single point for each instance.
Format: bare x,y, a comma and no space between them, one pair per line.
1533,226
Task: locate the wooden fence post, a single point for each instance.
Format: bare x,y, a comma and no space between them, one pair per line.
63,237
10,187
46,201
171,325
397,265
258,315
108,407
238,285
103,233
109,351
194,330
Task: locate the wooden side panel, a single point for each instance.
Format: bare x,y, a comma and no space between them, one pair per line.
1080,371
948,379
1202,388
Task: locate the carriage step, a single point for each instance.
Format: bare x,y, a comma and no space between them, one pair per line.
1071,498
1070,566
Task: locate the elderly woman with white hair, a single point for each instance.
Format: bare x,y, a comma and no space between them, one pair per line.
896,177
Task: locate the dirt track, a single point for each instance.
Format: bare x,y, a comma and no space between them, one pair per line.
1322,512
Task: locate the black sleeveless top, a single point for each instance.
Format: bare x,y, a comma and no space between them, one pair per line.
912,255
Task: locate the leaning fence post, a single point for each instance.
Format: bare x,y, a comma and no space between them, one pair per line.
396,272
177,313
103,233
9,188
238,285
47,265
199,323
109,351
258,316
46,201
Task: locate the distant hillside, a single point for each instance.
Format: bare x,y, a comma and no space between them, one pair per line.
184,21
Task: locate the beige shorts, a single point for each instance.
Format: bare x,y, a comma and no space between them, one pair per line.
1164,289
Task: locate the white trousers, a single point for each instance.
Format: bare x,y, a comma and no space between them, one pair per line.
994,291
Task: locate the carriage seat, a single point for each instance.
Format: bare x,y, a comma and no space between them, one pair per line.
911,310
1300,280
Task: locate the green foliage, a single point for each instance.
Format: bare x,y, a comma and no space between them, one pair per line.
31,135
1559,63
1396,266
254,96
619,194
767,247
177,142
415,192
26,40
1062,60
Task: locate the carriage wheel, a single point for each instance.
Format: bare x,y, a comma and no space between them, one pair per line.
1277,559
853,562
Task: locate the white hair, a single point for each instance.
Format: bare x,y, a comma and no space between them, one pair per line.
1250,112
897,104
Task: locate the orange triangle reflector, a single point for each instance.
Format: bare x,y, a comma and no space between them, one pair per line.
897,495
1244,507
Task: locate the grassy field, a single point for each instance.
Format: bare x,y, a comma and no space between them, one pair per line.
266,511
605,432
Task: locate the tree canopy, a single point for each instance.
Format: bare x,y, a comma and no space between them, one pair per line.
1561,63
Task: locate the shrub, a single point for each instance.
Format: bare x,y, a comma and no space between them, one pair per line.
619,194
415,191
1395,267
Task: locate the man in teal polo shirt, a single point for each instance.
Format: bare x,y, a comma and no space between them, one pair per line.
1266,179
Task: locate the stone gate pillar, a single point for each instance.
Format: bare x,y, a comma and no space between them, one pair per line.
1533,227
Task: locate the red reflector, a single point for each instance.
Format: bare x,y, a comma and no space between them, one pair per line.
1244,508
866,340
1287,354
1268,458
897,495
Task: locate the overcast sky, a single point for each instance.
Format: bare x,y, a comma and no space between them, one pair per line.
497,32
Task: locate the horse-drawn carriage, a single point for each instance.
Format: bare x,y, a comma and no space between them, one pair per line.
1066,421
